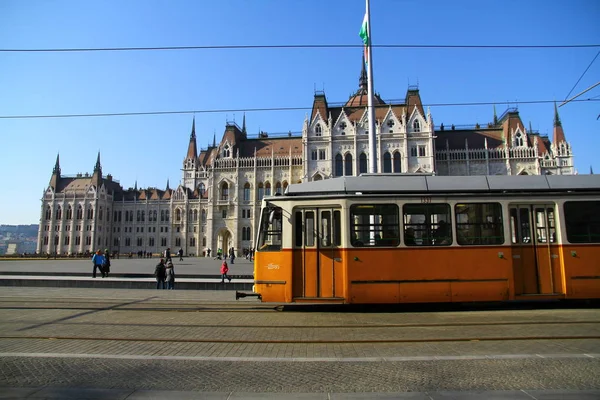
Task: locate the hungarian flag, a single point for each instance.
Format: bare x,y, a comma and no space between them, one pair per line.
364,34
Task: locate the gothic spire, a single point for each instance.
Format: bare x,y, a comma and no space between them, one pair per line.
192,152
495,116
214,140
362,81
98,166
167,189
558,134
56,170
244,124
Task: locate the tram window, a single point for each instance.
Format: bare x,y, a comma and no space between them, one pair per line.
583,221
374,225
325,228
298,230
337,228
427,225
269,237
309,226
479,224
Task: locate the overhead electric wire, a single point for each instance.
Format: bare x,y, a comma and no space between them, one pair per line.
301,46
124,114
586,70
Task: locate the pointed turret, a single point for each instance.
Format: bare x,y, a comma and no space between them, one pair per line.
56,170
559,135
167,189
591,170
98,166
135,186
214,140
55,173
360,97
192,152
363,80
244,125
97,175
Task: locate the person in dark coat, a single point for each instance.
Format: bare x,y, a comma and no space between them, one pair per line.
180,254
160,272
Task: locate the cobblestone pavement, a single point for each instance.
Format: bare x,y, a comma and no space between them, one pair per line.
307,377
198,341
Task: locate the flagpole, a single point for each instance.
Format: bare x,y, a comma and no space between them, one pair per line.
371,110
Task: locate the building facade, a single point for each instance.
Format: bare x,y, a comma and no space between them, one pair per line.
217,203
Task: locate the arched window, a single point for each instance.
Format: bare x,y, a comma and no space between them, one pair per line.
397,162
201,189
100,214
167,216
416,125
247,192
348,165
278,188
195,215
519,140
69,212
190,216
224,191
267,189
178,215
285,185
80,212
261,191
318,177
339,165
203,216
387,162
90,213
162,216
226,151
48,213
362,163
318,130
58,213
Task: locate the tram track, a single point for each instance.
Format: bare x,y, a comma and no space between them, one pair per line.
303,341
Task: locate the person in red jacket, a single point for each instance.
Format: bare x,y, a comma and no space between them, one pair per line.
224,271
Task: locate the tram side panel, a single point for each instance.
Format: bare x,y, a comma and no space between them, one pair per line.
415,275
582,271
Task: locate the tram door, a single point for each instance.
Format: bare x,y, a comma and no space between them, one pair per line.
316,253
535,259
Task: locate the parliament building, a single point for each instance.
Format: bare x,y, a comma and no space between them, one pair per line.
217,203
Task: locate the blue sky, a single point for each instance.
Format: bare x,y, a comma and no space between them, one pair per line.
150,149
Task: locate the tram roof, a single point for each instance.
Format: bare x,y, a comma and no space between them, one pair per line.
398,183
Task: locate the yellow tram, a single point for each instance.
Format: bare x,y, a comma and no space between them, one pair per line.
411,239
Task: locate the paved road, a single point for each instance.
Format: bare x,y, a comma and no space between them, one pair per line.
191,266
99,343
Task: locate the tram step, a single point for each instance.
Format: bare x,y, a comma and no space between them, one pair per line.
316,300
540,296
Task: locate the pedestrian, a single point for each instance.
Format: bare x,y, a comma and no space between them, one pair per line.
231,255
97,261
106,266
170,273
180,253
224,271
208,252
168,254
160,273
